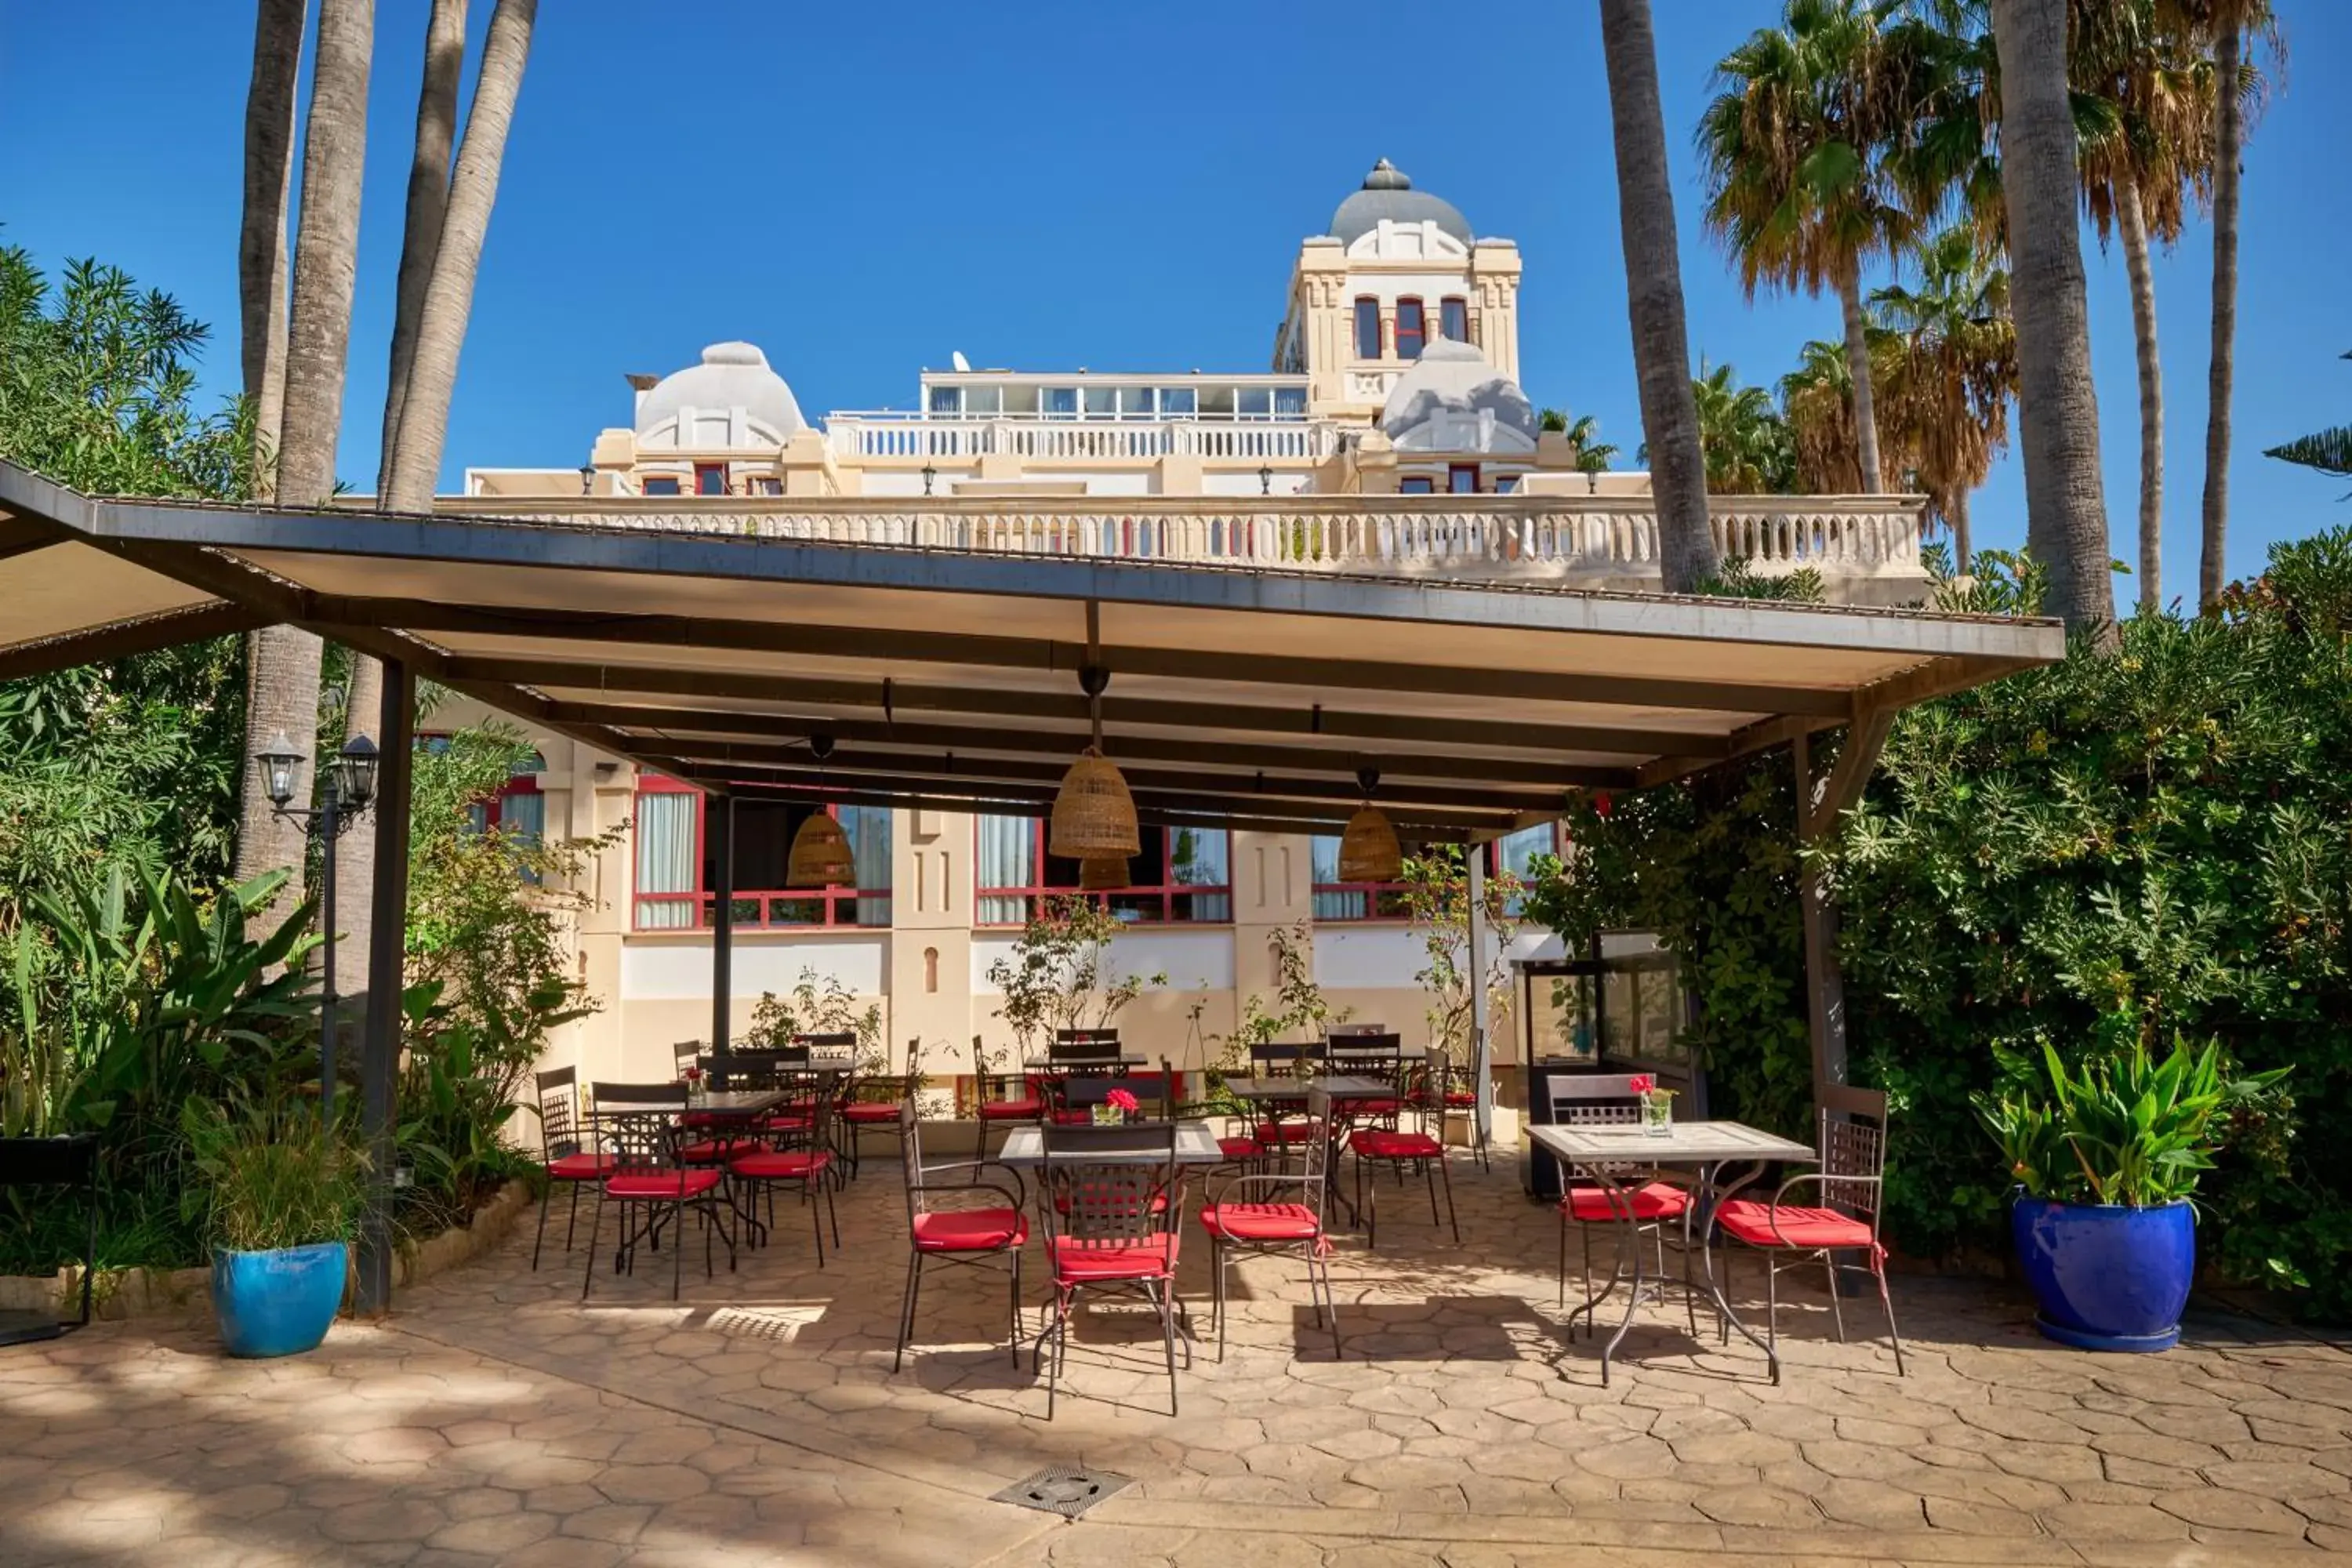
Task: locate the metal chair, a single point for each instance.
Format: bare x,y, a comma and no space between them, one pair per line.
1154,1094
1851,1179
866,1110
1581,1100
637,1125
561,1151
1369,1053
967,1234
1242,1216
1005,1098
1451,1089
1398,1149
1111,1223
799,1155
1285,1122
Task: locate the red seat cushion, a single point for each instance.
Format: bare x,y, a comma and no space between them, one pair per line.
1262,1222
1460,1096
1010,1110
715,1150
1241,1148
1751,1222
781,1164
663,1185
788,1121
1282,1134
1655,1201
1385,1106
1077,1259
870,1111
1378,1143
580,1167
971,1230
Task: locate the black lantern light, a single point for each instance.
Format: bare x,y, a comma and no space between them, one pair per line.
1266,479
280,763
929,475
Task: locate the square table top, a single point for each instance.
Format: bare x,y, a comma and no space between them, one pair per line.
1682,1143
1340,1086
737,1103
1069,1064
1196,1144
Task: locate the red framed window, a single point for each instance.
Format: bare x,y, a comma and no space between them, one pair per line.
1411,330
659,485
710,479
1182,875
1335,901
1453,319
1368,327
674,871
1461,478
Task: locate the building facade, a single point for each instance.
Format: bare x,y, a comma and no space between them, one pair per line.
1389,433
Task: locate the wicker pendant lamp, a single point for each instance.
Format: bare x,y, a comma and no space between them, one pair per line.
820,855
1369,851
1094,814
1100,873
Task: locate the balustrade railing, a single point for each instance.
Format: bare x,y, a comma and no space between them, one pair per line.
890,436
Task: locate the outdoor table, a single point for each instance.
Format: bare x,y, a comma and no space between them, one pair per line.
723,1112
1196,1145
1708,1147
1339,1086
1084,1064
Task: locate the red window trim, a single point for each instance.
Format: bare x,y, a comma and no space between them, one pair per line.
1419,334
1371,891
718,468
1452,469
1167,889
772,908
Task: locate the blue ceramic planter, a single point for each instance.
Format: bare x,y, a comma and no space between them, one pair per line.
2108,1278
278,1303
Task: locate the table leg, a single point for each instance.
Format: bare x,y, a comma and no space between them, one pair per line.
1713,1194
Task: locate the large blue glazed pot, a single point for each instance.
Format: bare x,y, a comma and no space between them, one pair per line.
281,1302
2108,1278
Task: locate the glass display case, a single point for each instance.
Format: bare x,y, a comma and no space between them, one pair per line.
1617,1006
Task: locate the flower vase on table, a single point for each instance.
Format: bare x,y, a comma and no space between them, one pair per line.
694,1089
1657,1105
1116,1108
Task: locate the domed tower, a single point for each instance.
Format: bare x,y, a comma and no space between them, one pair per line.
1396,270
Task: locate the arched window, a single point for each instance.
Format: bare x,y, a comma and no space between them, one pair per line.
1368,328
1410,331
1453,319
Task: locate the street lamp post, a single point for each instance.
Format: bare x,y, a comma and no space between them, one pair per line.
343,796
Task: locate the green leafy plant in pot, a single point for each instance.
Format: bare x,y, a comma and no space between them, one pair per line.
2107,1156
281,1185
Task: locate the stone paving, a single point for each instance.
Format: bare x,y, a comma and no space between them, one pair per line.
496,1418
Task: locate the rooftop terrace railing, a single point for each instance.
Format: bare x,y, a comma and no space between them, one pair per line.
1248,437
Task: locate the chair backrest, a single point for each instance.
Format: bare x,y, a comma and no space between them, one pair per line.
636,1124
559,1113
1315,1153
1154,1092
1111,1183
832,1043
687,1052
1102,1038
1852,1144
1589,1099
1341,1031
911,1146
1284,1059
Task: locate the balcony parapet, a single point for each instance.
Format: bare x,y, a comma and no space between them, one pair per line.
930,436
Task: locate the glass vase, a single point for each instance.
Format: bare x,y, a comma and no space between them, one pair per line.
1658,1114
1109,1116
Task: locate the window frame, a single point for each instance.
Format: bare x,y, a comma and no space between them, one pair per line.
705,473
1378,326
765,902
674,485
1452,311
1416,485
1167,890
1455,473
1420,332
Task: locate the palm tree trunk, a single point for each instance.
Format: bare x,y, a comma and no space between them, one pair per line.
2227,130
2131,221
281,694
1857,364
1956,514
355,856
449,300
1653,288
326,251
428,203
261,236
2058,405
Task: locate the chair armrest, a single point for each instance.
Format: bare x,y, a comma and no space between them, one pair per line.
1772,1214
1231,1184
1019,1186
1012,1200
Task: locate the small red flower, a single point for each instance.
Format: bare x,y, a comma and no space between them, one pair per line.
1119,1099
693,1075
1600,804
1641,1083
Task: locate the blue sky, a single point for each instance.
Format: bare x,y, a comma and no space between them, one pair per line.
1057,184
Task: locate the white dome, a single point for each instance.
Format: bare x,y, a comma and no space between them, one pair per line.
730,399
1452,400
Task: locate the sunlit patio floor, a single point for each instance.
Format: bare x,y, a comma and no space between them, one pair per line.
496,1419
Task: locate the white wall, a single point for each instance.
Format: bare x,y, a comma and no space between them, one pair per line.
1192,960
658,969
1368,958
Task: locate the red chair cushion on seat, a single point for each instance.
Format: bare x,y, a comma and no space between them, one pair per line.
716,1150
1241,1148
1751,1222
1378,1143
1261,1222
788,1121
1079,1260
971,1230
1282,1134
1010,1110
870,1111
1460,1096
1655,1201
780,1166
663,1185
1385,1106
580,1167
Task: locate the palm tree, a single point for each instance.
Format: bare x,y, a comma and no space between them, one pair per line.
282,681
1583,433
1744,436
1816,402
2144,106
1654,289
261,236
2328,451
428,201
2058,406
1800,187
1957,350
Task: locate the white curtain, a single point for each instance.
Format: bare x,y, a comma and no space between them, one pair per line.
1516,850
666,863
1325,853
1008,858
1198,858
867,827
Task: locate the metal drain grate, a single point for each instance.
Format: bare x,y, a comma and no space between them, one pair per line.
1064,1489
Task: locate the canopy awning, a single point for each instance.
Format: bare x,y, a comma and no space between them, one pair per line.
1244,696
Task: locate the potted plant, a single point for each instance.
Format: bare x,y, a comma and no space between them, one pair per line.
2107,1157
280,1185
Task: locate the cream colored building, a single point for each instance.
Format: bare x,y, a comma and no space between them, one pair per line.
1390,435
